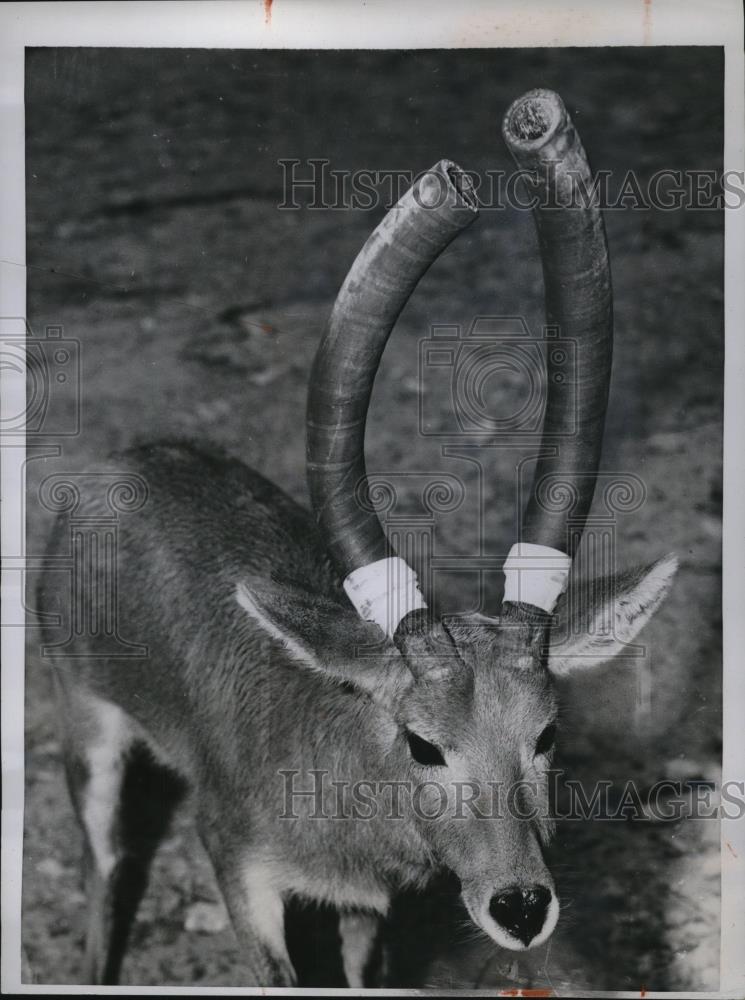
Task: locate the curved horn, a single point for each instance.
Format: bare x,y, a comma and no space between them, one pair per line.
576,273
398,253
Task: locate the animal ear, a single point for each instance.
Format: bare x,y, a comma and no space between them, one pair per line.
322,635
595,619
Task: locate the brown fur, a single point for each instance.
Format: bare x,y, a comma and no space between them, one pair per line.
257,665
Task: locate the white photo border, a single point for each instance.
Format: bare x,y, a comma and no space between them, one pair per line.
357,24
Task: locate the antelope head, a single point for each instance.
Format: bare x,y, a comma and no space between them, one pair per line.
470,698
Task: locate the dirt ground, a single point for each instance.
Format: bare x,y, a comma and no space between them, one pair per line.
155,240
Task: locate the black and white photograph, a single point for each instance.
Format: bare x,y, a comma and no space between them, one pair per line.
365,623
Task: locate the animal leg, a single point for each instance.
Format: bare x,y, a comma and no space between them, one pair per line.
359,933
257,910
124,802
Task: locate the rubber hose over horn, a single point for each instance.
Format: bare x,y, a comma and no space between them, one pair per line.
576,272
387,270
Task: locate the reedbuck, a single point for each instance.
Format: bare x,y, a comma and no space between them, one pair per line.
285,646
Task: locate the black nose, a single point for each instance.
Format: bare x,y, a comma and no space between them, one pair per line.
521,912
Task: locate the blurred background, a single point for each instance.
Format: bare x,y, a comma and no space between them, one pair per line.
155,241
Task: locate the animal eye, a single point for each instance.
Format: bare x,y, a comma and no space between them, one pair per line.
423,751
545,742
